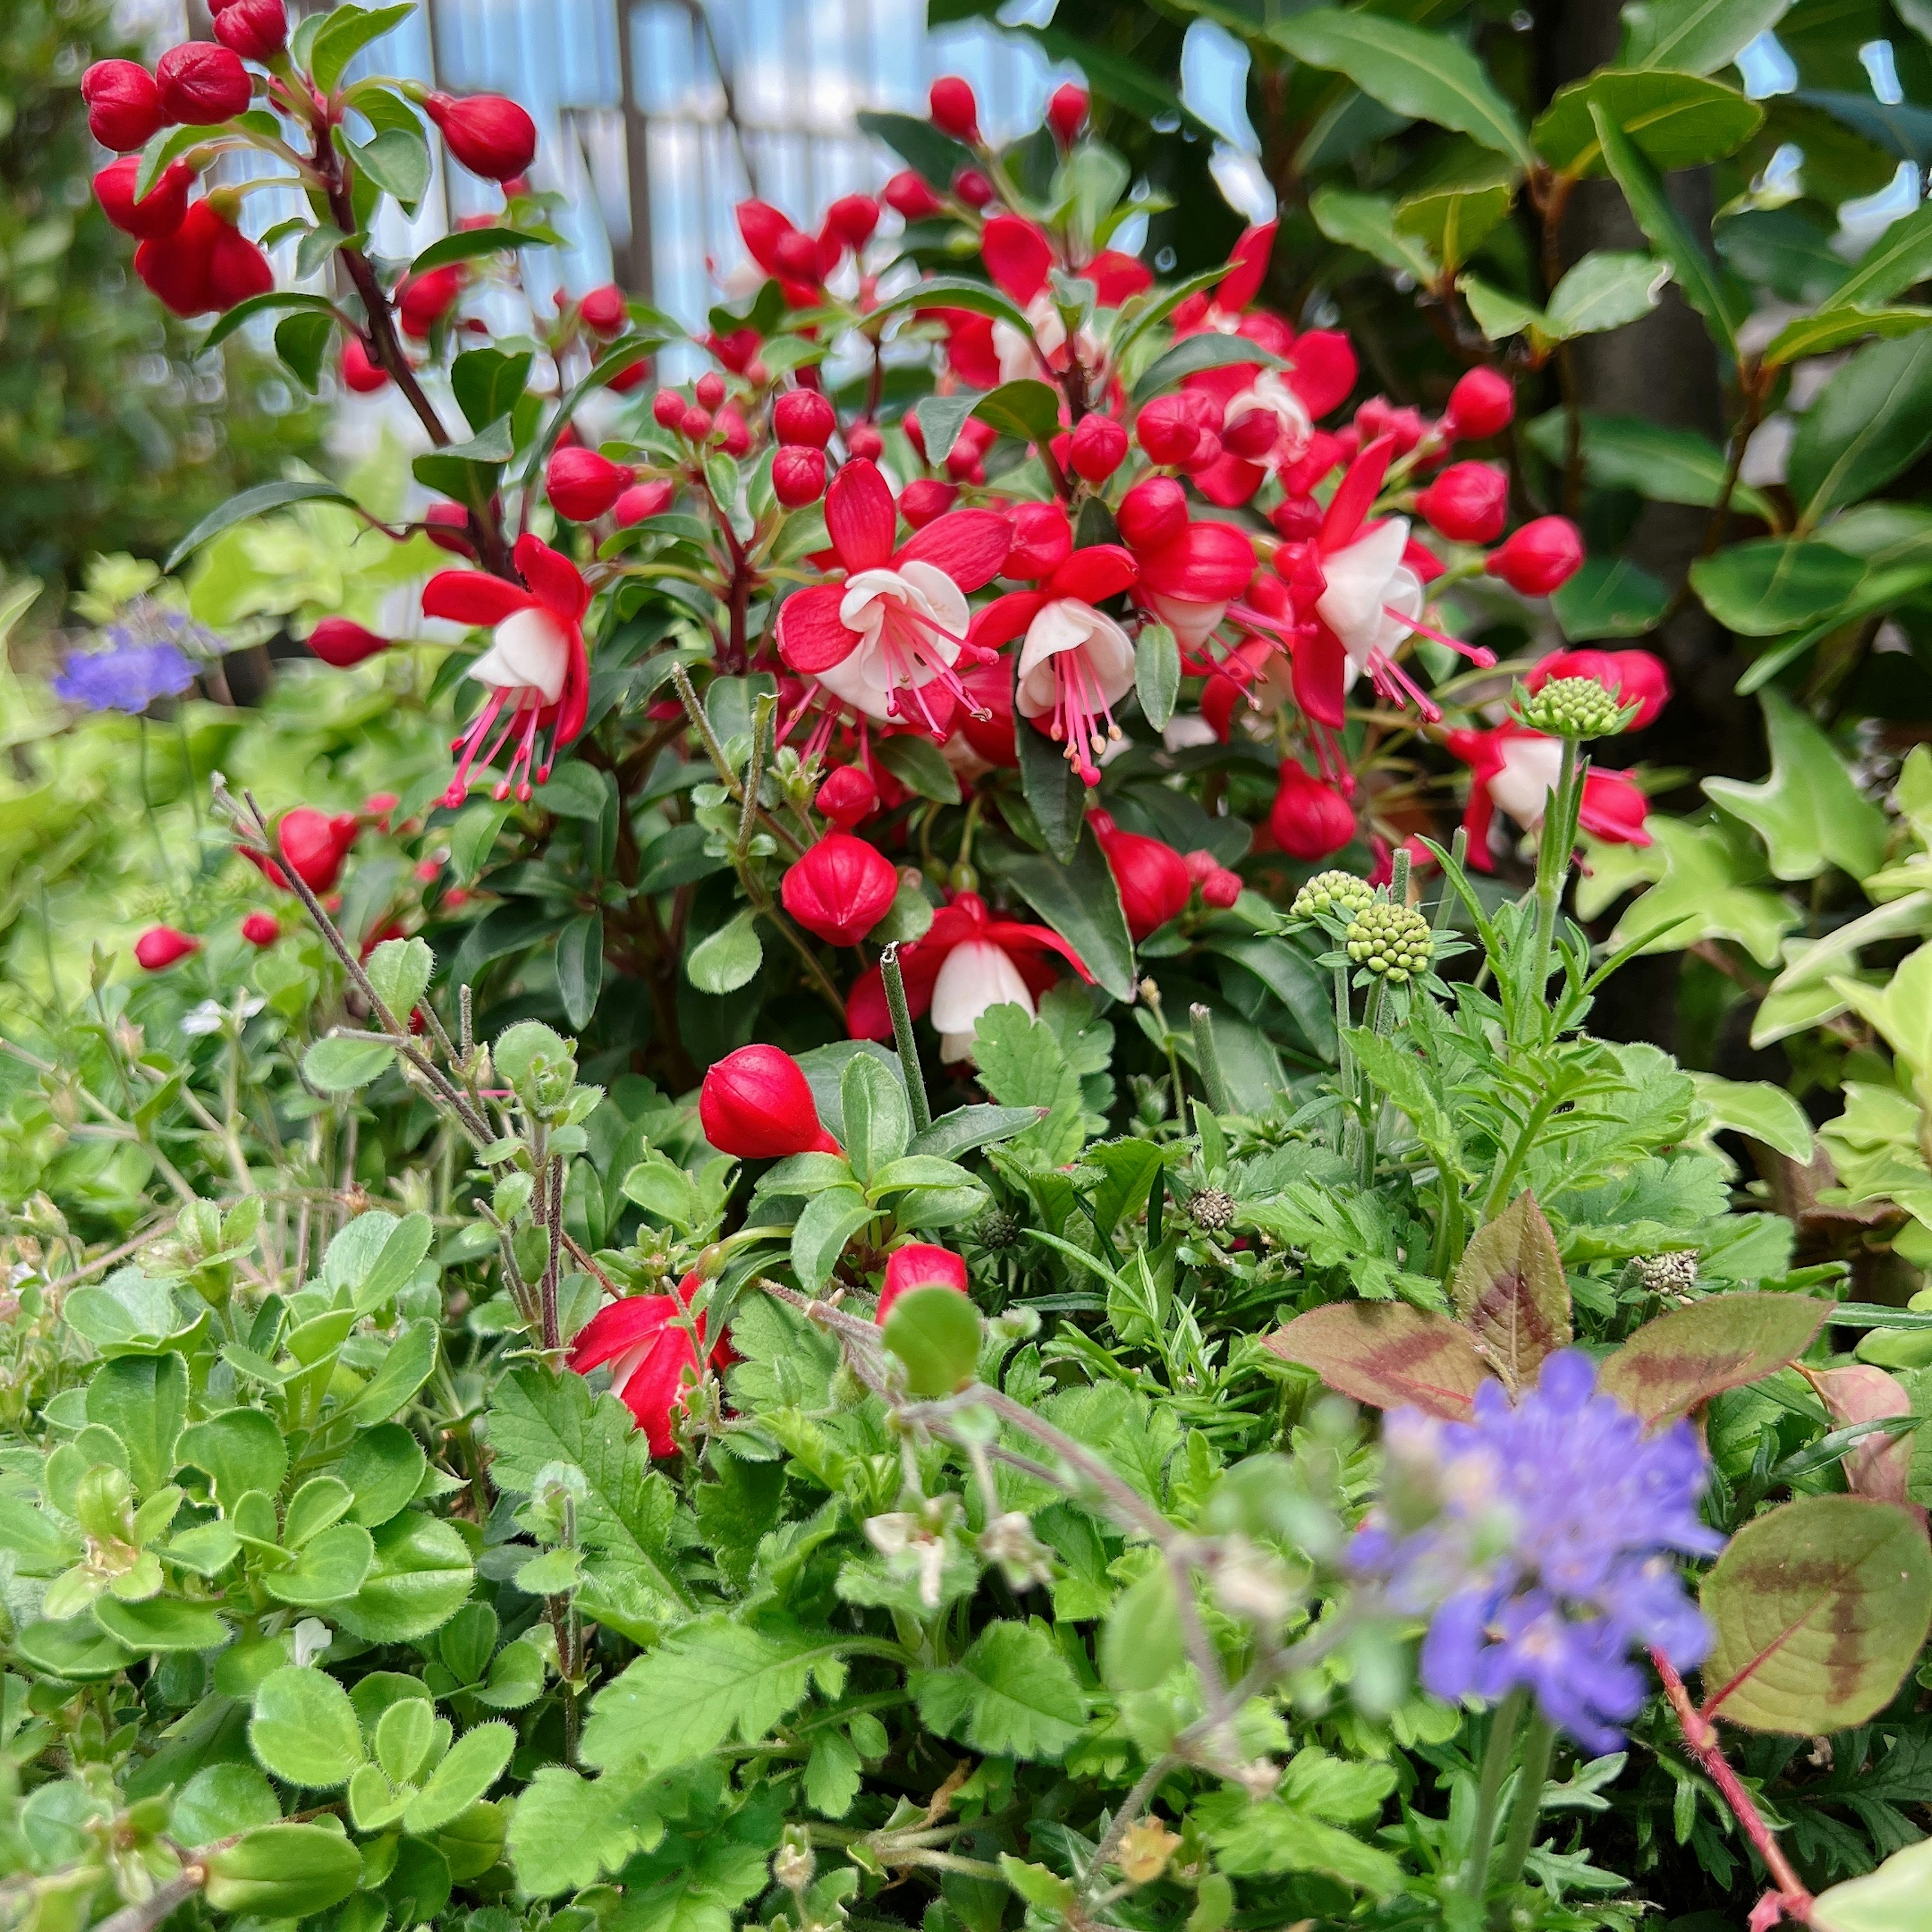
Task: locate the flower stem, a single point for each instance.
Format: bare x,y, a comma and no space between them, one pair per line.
1552,863
910,1072
1538,1742
1503,1728
1208,1055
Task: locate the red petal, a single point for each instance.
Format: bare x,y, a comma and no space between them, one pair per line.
1115,276
1246,268
1320,675
969,545
1209,563
552,576
1476,816
1360,483
1005,618
1018,938
1323,369
811,637
473,597
1017,256
619,1325
860,514
573,704
969,349
656,1389
1229,481
1099,571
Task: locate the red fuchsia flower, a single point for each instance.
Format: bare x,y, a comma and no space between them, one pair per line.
359,370
1190,572
798,476
602,311
261,928
1480,405
1067,113
1635,677
853,217
1219,887
644,499
1540,557
206,263
201,84
984,741
969,960
1154,883
840,888
124,105
756,1104
423,301
787,254
1468,503
953,109
848,796
897,623
490,135
535,669
338,641
257,30
1098,447
1308,820
1517,769
650,1355
582,485
1076,663
313,845
804,417
919,1264
906,194
158,213
161,946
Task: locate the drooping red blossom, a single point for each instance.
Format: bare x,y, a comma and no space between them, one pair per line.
491,136
1480,405
124,105
1308,820
919,1264
261,928
158,213
582,486
161,946
359,370
1517,769
787,254
1468,502
201,84
343,643
847,797
756,1104
987,728
257,30
447,526
853,217
648,1350
953,109
1190,579
840,888
206,263
1540,557
1636,677
925,498
1152,878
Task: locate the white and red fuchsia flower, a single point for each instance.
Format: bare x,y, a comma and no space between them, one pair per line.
897,623
1516,769
535,669
967,961
643,1341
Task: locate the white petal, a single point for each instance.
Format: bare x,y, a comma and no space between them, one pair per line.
1359,576
1066,624
1193,624
1405,593
942,600
529,650
975,975
1185,730
864,679
1530,768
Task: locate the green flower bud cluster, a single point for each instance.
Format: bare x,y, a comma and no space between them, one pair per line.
1333,891
1574,707
1394,942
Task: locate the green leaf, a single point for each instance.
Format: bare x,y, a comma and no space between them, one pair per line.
1834,328
1605,290
729,958
1369,222
161,1625
1674,120
242,1449
79,1650
935,1333
1776,584
1704,890
420,1579
1497,313
245,311
1666,231
473,1764
711,1680
1425,75
1899,260
1012,1693
1816,1612
466,244
486,382
1267,1835
1081,902
404,1369
918,764
878,1120
305,1729
219,1802
331,1568
1157,673
1387,1354
1699,36
1608,597
342,1065
567,1831
1766,1112
1664,464
580,967
397,160
1027,409
301,341
966,1128
1044,1889
959,292
1452,223
831,1218
346,32
283,1872
1053,789
1809,812
256,502
401,970
1672,1364
1872,420
383,1468
143,1399
1892,1899
1511,1291
937,158
1194,353
1141,1641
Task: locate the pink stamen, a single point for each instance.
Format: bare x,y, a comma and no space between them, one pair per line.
1078,705
466,744
906,637
1479,655
1396,686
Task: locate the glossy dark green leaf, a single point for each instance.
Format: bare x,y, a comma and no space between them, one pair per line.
1675,120
1081,902
1871,421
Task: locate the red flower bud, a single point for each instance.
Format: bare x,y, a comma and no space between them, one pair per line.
848,796
1539,557
953,109
1067,113
1296,518
202,84
314,845
1170,429
972,187
1152,878
1153,513
735,350
257,30
1042,540
490,135
602,311
360,371
797,255
798,476
261,928
206,263
582,485
237,269
864,441
1099,444
423,301
1480,405
695,425
756,1104
448,527
1220,889
668,409
906,194
1252,434
160,946
644,499
1378,416
919,1264
709,390
853,217
734,431
1468,503
925,498
124,105
158,213
804,417
840,889
1309,819
337,641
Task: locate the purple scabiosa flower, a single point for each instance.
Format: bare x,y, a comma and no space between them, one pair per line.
1539,1538
126,676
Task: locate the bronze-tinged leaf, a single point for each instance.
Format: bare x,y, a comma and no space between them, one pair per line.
1511,1291
1671,1364
1879,1466
1817,1610
1387,1354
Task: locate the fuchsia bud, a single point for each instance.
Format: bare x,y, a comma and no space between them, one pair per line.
1539,557
201,84
158,213
206,263
840,889
848,796
709,390
491,136
1252,434
423,301
668,409
1480,405
1099,445
695,425
313,844
853,217
447,526
954,109
1067,113
1042,540
337,641
919,1264
1152,878
972,187
803,417
925,498
1152,513
257,30
906,194
756,1104
734,431
582,484
644,499
160,947
1296,518
360,371
1468,503
261,928
1172,429
124,105
602,309
1308,820
863,440
798,476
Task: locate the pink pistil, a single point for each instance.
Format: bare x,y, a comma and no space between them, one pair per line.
1078,705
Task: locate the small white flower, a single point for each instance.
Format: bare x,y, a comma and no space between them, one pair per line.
312,1639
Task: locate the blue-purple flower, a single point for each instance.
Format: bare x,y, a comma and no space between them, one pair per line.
143,661
1540,1539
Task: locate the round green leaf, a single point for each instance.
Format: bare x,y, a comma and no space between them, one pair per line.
420,1580
474,1763
284,1871
935,1332
242,1449
221,1800
160,1624
341,1066
79,1650
305,1730
384,1467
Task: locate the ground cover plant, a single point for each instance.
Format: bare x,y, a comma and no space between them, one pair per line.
876,1203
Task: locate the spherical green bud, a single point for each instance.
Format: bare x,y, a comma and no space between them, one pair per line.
1574,707
1394,942
1333,891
